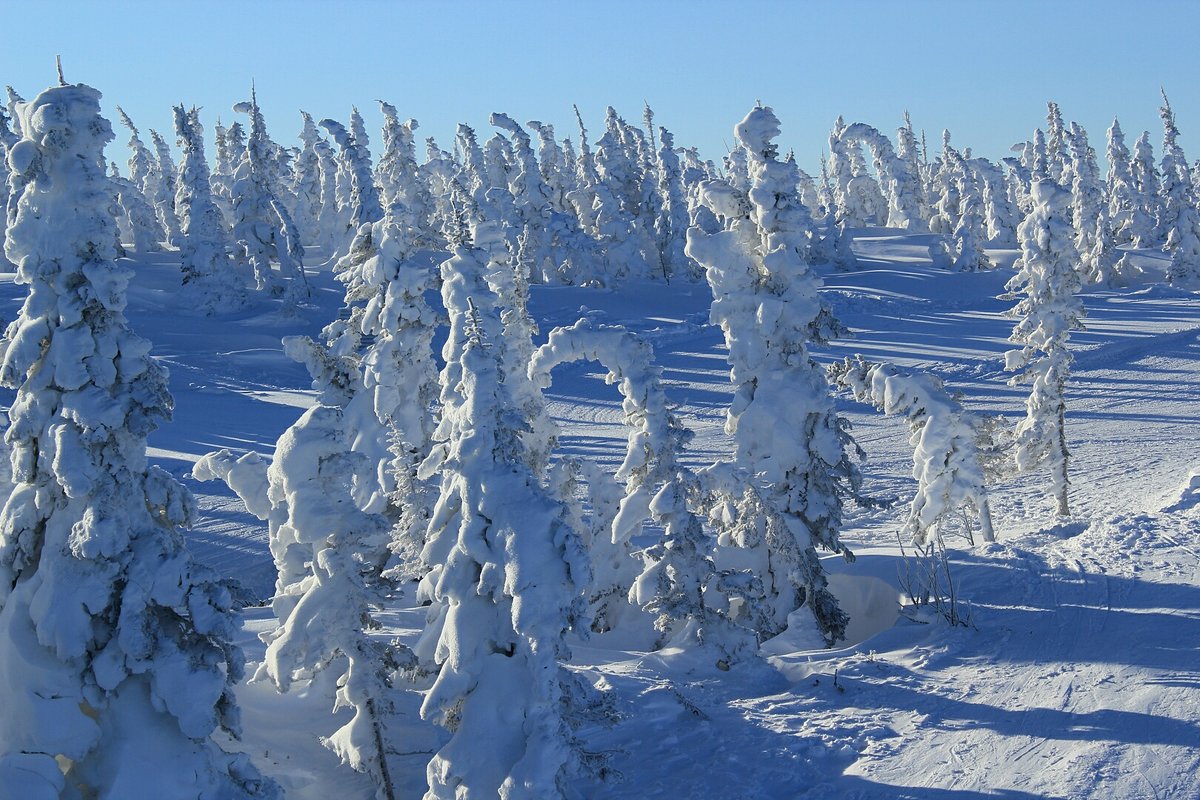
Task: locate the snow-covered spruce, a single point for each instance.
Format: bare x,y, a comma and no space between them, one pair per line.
117,648
401,182
1046,282
1146,231
138,221
1180,219
898,184
786,431
161,189
1000,213
671,223
653,441
328,611
208,272
306,184
399,380
7,140
1120,191
945,460
676,570
363,201
969,235
263,229
510,576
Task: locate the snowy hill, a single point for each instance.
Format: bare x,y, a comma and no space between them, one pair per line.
1077,676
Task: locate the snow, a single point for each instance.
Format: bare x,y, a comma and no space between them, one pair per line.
1077,677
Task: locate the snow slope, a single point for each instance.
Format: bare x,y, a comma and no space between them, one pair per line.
1079,675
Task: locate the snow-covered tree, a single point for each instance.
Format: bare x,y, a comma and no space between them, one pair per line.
786,431
363,196
1119,186
147,232
138,220
946,462
1057,158
117,654
1087,195
263,229
510,576
208,271
1180,219
908,150
398,374
900,187
160,189
1145,231
306,184
7,140
1046,282
224,164
969,234
676,570
672,221
328,611
1000,214
947,185
13,98
400,177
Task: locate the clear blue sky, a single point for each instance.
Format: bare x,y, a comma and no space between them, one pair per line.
982,69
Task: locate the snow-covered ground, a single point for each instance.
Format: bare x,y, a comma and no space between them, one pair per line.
1078,676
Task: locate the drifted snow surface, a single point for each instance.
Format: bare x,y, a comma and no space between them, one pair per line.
1078,677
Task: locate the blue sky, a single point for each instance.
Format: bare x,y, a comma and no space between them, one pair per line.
983,70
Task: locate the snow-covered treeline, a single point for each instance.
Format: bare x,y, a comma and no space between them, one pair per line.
451,486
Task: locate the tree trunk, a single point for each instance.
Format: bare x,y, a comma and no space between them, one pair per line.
1063,510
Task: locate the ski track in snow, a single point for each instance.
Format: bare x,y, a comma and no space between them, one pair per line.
1078,678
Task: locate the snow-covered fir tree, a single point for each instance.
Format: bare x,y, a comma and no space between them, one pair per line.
675,571
208,272
306,184
672,221
1057,158
1146,231
400,177
1048,309
161,189
1179,222
510,576
145,228
263,229
118,653
328,614
782,417
969,234
363,196
1120,190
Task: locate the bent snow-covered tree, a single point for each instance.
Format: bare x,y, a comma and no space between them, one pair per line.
115,648
786,431
1048,310
945,459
